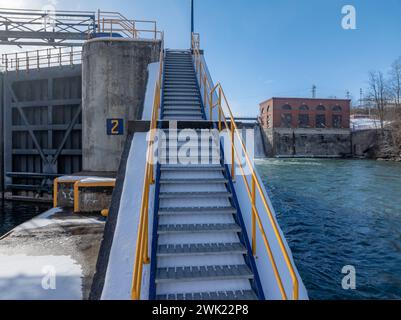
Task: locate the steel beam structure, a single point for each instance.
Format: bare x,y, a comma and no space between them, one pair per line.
45,27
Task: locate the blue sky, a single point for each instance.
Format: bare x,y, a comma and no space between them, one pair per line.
263,48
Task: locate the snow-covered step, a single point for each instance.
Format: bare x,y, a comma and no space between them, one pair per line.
171,113
232,272
242,295
186,195
191,168
200,249
196,211
193,181
198,228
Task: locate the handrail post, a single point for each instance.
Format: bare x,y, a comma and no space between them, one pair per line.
253,216
219,104
204,92
200,76
55,193
27,61
232,151
37,59
211,105
146,259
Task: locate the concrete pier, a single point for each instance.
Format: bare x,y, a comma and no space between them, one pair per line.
114,76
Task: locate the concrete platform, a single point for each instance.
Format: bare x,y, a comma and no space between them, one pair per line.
50,257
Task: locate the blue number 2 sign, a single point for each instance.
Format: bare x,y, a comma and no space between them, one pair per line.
115,127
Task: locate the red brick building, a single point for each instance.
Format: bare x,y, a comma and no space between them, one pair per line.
305,113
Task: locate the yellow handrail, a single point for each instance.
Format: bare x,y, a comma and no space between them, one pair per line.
112,22
255,187
142,252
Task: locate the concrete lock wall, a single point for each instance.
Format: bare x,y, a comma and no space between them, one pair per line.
114,75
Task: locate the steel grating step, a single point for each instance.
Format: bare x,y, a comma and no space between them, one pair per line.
198,228
191,168
178,97
182,103
182,108
233,272
200,249
245,295
186,195
196,211
179,113
192,181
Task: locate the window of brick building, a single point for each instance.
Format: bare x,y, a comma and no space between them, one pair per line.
337,109
286,120
320,108
286,107
304,107
303,120
337,121
320,121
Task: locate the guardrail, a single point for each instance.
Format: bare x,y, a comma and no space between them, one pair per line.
115,23
38,59
254,188
142,250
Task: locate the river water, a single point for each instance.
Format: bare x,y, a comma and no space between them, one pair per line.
14,213
338,213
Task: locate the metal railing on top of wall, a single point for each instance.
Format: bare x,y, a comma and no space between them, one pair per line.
115,23
253,188
38,59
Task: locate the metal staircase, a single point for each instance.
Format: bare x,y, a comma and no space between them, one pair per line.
181,96
200,248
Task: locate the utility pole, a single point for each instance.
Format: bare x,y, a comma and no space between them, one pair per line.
192,20
360,98
314,91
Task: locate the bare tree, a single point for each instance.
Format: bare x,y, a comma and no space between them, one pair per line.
378,94
395,83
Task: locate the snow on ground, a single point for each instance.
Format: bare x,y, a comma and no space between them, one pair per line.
25,277
47,219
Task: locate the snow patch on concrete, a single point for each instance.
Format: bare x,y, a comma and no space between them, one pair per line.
25,277
46,219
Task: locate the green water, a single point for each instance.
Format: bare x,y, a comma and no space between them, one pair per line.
336,213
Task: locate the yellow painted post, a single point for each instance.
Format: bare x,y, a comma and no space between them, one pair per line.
219,106
146,259
211,105
204,92
253,216
55,192
76,197
232,151
200,76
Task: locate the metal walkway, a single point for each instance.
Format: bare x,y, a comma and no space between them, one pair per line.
199,247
